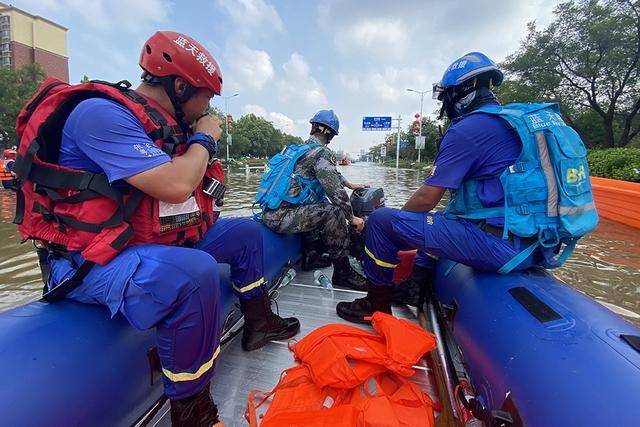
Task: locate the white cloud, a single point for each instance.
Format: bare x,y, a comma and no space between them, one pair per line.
280,121
351,83
254,109
252,16
140,16
248,68
298,83
389,85
379,36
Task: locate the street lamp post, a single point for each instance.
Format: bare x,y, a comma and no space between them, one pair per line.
421,102
226,121
398,142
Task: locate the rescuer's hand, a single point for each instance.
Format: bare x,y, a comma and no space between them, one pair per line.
356,186
210,125
358,223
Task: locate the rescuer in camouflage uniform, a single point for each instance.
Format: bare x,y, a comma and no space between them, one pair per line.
333,218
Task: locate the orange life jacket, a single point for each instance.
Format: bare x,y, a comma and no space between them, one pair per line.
5,175
351,377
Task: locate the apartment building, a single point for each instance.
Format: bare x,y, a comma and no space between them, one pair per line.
27,39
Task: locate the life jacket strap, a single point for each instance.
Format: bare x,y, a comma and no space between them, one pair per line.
60,292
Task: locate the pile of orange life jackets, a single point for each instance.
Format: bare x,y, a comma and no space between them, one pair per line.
351,377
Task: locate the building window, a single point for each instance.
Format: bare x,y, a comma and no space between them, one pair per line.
4,47
4,19
5,33
6,60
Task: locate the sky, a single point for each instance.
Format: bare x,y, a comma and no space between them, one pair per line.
288,59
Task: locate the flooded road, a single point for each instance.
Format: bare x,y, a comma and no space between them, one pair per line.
605,265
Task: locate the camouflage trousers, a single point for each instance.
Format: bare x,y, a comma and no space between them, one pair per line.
329,219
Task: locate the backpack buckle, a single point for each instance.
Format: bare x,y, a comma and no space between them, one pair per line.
549,237
518,167
523,209
213,187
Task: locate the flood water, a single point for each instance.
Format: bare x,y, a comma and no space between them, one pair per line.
605,265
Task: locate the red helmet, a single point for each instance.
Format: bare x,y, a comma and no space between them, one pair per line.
168,53
9,154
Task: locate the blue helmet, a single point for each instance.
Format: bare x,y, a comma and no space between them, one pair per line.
327,118
469,66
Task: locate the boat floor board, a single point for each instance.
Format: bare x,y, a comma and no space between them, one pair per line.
239,372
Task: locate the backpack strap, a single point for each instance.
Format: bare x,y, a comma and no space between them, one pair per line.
518,259
172,136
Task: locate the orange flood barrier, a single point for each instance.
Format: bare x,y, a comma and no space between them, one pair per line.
617,200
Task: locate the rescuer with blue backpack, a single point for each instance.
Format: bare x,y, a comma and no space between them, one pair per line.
301,191
519,183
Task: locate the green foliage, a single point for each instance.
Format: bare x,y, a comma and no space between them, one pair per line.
588,59
85,79
16,87
615,163
255,137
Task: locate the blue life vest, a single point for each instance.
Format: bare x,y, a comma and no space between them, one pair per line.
547,192
279,175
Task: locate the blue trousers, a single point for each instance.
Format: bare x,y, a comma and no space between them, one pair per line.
391,230
176,290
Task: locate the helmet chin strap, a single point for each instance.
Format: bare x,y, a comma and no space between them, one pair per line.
451,98
452,106
177,99
324,130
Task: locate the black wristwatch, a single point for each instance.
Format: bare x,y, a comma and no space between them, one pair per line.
207,142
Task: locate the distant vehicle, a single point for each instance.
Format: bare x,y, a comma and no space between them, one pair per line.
344,162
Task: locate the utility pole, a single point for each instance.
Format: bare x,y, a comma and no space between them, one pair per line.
226,121
398,143
421,92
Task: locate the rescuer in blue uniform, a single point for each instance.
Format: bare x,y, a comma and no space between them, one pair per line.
172,288
478,146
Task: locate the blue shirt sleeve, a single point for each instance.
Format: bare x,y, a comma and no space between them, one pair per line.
109,136
457,156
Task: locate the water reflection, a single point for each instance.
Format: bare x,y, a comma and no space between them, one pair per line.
605,265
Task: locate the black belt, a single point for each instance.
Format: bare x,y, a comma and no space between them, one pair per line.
499,232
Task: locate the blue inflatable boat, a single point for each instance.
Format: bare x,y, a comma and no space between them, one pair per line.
70,364
540,350
536,349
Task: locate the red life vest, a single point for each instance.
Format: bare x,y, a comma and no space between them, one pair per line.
75,210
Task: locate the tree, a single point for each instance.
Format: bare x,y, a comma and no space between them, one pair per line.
291,139
588,58
253,136
85,79
16,88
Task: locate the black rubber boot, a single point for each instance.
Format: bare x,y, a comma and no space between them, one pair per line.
344,276
378,299
415,289
194,411
262,325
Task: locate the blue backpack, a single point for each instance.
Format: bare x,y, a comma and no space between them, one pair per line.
547,190
278,176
